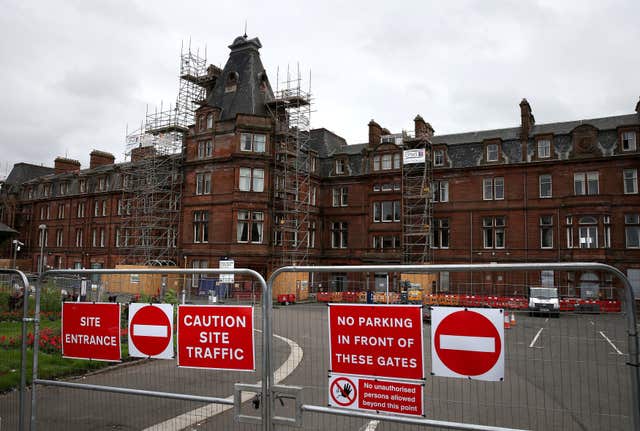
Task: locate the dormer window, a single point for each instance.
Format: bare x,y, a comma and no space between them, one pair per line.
629,141
264,81
438,158
232,82
492,152
341,166
544,148
210,121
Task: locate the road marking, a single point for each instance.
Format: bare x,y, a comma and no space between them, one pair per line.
609,341
470,344
371,426
591,321
536,337
546,320
203,413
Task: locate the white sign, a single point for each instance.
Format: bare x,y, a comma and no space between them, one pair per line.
226,264
151,330
414,156
468,343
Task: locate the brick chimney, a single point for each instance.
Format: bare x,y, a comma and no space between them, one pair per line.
375,132
421,128
638,107
62,164
140,153
527,121
100,158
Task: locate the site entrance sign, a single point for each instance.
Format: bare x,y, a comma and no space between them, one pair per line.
467,343
91,331
217,337
376,340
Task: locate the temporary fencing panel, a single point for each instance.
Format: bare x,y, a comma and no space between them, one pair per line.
577,371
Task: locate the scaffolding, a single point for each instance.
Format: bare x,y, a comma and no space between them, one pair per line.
152,180
293,227
417,207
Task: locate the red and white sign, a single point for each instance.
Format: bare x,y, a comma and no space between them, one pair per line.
151,331
467,343
378,395
376,340
91,331
217,337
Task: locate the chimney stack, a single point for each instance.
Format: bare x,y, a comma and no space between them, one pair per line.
638,107
527,121
421,128
140,153
100,158
375,132
62,165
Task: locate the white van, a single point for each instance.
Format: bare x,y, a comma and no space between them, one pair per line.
544,300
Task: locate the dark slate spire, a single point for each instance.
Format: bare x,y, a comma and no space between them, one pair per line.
243,87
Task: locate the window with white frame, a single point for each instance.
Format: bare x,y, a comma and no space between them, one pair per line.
493,188
104,208
82,185
386,162
253,142
251,179
588,232
250,226
203,183
64,188
440,191
205,149
493,232
569,223
61,207
630,178
385,242
606,237
80,210
79,242
341,166
546,231
396,161
198,264
632,230
629,141
118,238
545,185
376,163
94,237
210,121
200,227
438,157
386,211
544,148
492,153
101,243
440,237
586,183
340,196
339,234
59,237
311,238
96,208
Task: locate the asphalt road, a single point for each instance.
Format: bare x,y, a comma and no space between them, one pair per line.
564,374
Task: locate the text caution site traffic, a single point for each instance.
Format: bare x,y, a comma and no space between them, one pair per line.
216,337
379,395
376,340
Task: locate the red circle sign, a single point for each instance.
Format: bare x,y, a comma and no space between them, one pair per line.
467,343
343,391
150,330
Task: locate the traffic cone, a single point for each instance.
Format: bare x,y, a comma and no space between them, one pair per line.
513,319
507,322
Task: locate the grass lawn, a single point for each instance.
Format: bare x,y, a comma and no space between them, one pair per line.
50,364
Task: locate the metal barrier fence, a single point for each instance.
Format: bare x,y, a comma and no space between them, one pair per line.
566,373
579,371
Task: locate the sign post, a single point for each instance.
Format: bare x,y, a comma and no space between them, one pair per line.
151,331
467,343
91,331
216,337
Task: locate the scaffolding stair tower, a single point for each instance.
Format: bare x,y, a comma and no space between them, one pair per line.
417,206
291,111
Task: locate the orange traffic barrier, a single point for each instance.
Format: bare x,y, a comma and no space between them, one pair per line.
513,319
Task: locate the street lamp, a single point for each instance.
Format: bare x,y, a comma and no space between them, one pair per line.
43,229
16,248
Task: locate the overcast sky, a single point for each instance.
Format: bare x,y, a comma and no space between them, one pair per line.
76,73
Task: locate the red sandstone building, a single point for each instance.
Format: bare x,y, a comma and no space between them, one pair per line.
556,192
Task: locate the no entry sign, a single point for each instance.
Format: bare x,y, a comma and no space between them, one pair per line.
467,343
151,331
91,331
376,340
380,395
216,337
